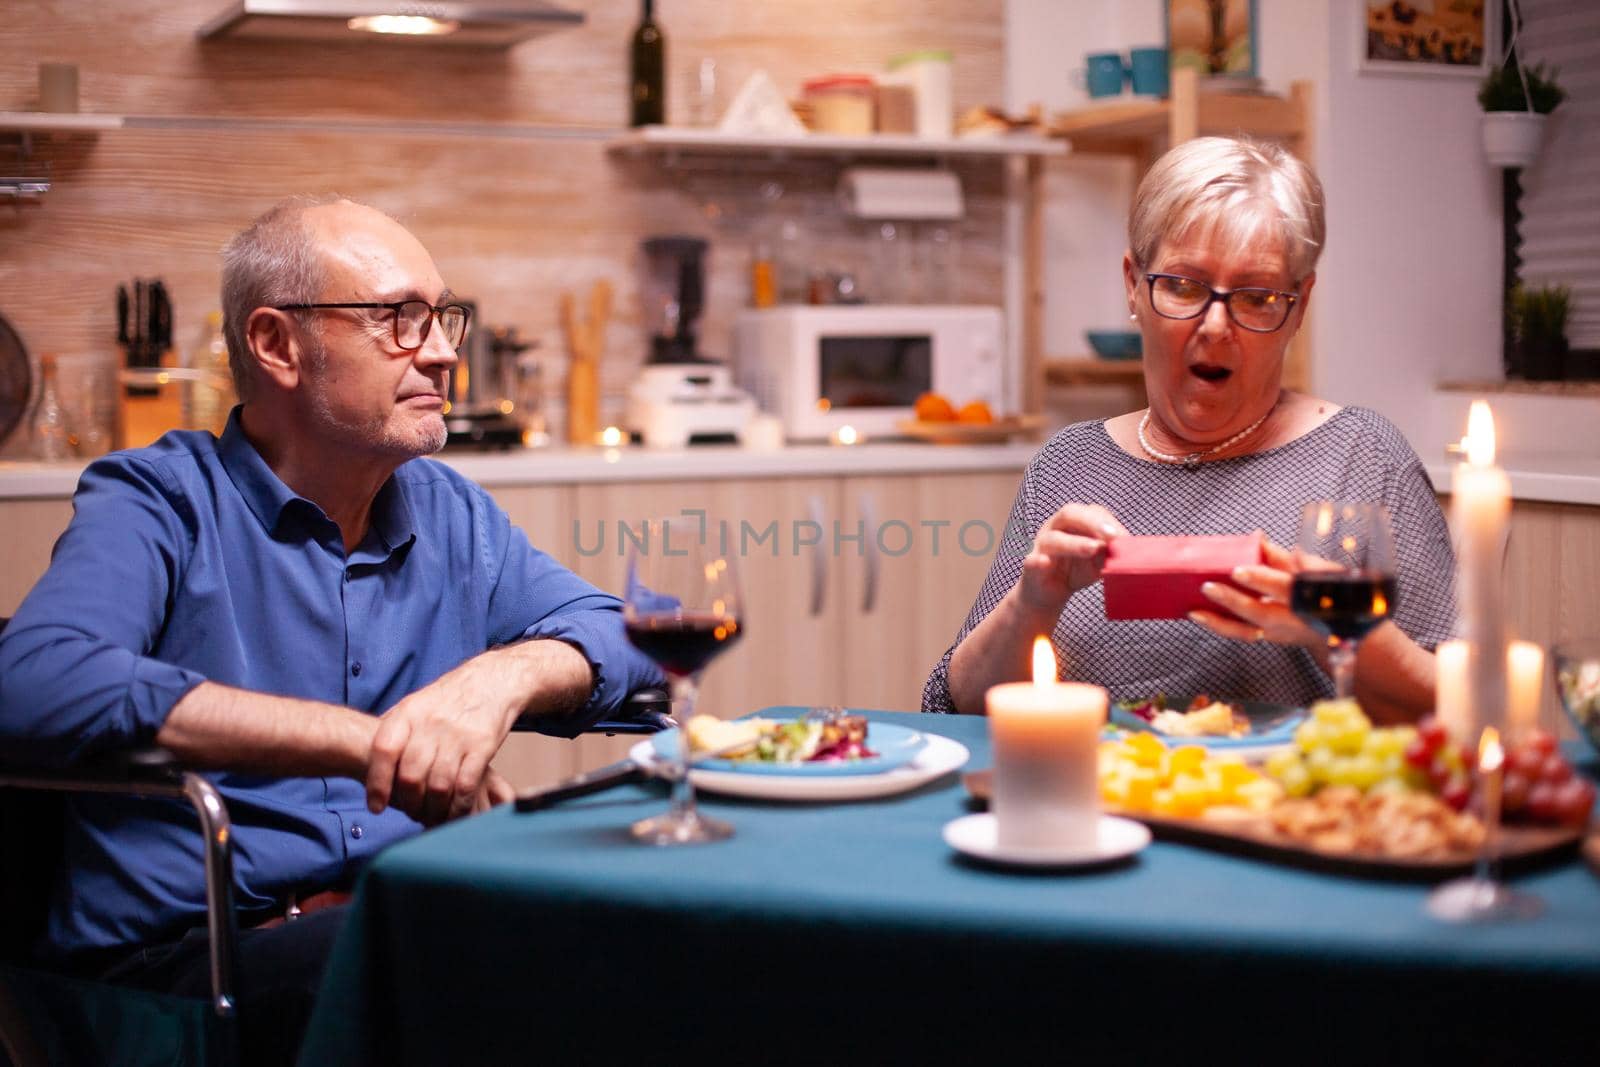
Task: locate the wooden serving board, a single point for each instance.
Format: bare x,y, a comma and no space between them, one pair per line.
971,433
1522,847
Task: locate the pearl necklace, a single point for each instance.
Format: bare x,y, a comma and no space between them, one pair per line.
1192,460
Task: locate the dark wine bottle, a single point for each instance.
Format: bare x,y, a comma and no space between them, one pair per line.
648,56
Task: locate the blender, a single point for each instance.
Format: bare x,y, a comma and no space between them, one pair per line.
679,397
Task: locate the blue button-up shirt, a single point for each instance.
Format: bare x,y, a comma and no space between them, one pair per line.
190,561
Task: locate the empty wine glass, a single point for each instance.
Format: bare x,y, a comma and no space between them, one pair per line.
682,608
1345,585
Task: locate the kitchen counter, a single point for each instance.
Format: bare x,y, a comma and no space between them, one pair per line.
1549,478
570,466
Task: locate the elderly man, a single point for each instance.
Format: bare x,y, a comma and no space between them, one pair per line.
343,630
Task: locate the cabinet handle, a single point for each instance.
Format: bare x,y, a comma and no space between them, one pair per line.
869,579
819,560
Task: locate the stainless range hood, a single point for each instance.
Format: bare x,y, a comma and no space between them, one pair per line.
484,23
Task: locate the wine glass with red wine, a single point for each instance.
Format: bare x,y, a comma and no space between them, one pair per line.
1345,585
682,608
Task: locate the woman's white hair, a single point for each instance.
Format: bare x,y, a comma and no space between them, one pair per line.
1231,190
272,262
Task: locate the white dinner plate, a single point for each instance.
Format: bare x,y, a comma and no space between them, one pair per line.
938,757
978,836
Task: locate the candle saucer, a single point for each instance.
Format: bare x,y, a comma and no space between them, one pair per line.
978,836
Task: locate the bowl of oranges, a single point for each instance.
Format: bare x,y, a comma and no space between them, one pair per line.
941,421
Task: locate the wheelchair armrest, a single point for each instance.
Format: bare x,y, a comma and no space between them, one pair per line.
154,771
646,711
133,768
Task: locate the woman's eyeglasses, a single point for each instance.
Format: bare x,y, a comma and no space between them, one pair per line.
1173,296
412,320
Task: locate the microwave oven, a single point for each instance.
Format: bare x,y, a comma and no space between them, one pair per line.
863,366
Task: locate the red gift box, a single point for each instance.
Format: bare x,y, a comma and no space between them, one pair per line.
1160,577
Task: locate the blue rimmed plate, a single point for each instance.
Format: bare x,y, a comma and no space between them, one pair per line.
895,746
1271,726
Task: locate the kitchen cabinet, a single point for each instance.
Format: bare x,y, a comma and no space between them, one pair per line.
853,586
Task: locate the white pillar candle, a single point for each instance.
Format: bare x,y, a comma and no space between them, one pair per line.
1046,737
1452,703
1525,670
1481,507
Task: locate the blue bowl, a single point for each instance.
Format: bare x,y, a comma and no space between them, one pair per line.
1116,344
1578,684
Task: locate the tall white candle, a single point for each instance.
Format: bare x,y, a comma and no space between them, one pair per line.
1452,701
1481,508
1525,667
1046,737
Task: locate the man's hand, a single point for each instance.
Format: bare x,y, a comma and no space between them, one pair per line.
430,755
1068,553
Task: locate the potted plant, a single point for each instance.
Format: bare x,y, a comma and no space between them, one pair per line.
1539,329
1515,101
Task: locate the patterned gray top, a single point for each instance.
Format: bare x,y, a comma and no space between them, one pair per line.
1356,455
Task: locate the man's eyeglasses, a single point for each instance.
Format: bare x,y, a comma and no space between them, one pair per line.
1258,310
412,320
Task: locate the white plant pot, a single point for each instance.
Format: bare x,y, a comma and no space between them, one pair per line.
1511,138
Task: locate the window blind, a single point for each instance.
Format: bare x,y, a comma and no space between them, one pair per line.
1560,228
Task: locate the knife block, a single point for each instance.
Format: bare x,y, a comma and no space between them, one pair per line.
149,403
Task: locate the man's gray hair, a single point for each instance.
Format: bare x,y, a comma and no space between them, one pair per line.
1234,190
274,261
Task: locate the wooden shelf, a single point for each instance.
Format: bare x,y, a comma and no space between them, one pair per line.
662,139
1088,370
57,122
40,122
1129,127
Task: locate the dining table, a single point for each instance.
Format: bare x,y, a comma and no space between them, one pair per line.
851,932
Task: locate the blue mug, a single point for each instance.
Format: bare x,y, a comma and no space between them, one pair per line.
1103,73
1148,71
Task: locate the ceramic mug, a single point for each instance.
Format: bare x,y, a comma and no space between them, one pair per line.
1147,69
1103,73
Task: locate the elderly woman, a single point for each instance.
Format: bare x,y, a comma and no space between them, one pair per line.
1223,244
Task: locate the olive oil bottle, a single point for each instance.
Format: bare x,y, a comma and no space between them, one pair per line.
648,54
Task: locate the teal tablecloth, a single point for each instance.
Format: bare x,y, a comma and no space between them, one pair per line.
851,933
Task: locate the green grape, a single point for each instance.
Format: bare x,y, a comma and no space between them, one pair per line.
1280,761
1308,736
1296,780
1320,763
1347,739
1363,772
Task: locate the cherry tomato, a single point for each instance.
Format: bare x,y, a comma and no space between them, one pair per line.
1514,792
1544,802
1541,741
1432,731
1456,793
1574,798
1555,769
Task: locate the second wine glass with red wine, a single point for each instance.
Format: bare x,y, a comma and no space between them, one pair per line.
1345,585
682,608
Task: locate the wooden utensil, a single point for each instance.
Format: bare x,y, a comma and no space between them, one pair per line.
1521,847
586,340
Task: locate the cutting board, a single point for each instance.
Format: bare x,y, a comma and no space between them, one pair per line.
1522,847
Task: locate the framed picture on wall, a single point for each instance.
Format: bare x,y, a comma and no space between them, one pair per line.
1429,36
1215,37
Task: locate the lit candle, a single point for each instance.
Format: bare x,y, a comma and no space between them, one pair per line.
1452,704
1046,737
1525,668
1480,506
1453,685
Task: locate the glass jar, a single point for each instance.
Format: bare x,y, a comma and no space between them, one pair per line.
841,104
